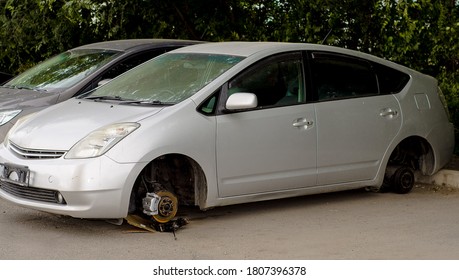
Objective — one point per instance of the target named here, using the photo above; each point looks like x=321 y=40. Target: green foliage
x=421 y=34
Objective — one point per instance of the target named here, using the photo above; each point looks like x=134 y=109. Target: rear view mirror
x=241 y=100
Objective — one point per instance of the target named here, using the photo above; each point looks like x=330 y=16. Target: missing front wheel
x=161 y=205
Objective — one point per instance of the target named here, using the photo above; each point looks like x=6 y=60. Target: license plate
x=16 y=174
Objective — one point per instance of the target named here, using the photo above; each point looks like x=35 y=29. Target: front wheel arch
x=176 y=173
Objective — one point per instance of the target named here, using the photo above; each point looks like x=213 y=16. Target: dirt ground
x=351 y=225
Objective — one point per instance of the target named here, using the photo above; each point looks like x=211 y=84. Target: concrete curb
x=444 y=177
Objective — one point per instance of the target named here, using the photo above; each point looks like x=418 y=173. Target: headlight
x=6 y=116
x=15 y=126
x=100 y=141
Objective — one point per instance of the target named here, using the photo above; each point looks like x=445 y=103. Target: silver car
x=73 y=73
x=226 y=123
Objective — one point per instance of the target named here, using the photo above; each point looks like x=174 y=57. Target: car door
x=271 y=147
x=356 y=123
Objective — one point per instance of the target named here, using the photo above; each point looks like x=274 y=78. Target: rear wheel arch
x=412 y=154
x=415 y=152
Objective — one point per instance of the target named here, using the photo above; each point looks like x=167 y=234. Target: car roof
x=237 y=48
x=129 y=44
x=246 y=49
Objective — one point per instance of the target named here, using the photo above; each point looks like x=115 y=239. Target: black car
x=73 y=73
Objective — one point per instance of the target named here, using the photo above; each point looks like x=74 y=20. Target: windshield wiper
x=121 y=100
x=24 y=87
x=147 y=102
x=105 y=97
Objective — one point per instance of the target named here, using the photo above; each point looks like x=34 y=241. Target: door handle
x=302 y=122
x=388 y=113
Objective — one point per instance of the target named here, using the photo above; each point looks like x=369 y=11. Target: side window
x=390 y=80
x=276 y=82
x=337 y=77
x=209 y=106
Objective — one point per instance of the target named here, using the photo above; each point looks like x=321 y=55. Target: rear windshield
x=169 y=78
x=62 y=71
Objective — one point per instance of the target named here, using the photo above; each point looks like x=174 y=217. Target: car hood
x=11 y=98
x=60 y=126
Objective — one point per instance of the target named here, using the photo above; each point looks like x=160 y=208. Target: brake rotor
x=167 y=207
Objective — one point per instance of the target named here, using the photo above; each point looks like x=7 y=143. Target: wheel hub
x=167 y=207
x=161 y=205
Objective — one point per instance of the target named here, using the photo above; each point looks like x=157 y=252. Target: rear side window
x=390 y=80
x=337 y=77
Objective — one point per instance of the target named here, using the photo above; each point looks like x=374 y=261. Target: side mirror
x=241 y=100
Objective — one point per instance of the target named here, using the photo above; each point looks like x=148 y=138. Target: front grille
x=34 y=154
x=31 y=193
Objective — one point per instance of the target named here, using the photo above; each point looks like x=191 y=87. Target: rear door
x=356 y=123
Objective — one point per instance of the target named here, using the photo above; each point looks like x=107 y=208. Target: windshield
x=169 y=78
x=62 y=71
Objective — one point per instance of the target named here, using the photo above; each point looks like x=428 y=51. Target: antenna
x=326 y=36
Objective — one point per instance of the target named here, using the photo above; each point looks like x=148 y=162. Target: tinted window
x=276 y=82
x=336 y=76
x=390 y=80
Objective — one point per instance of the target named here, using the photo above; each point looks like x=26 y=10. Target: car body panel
x=89 y=190
x=265 y=151
x=361 y=151
x=75 y=128
x=27 y=98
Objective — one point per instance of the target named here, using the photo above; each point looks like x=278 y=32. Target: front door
x=272 y=147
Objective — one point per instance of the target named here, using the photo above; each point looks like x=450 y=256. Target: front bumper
x=96 y=188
